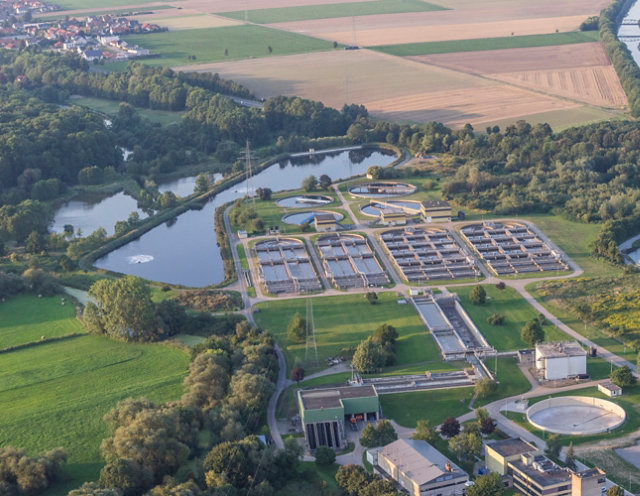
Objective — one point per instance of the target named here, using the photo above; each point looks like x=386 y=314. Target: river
x=631 y=30
x=185 y=250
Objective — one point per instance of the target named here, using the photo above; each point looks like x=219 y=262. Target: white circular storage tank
x=576 y=415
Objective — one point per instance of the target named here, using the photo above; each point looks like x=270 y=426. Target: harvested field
x=563 y=119
x=594 y=85
x=458 y=107
x=521 y=59
x=194 y=21
x=419 y=28
x=223 y=5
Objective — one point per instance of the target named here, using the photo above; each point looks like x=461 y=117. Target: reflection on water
x=89 y=212
x=187 y=253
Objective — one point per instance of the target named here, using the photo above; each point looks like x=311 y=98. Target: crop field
x=209 y=45
x=188 y=21
x=25 y=319
x=97 y=4
x=344 y=321
x=332 y=10
x=55 y=394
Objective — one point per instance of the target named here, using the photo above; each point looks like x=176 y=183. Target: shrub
x=325 y=456
x=495 y=319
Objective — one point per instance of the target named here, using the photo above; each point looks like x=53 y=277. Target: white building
x=610 y=389
x=560 y=360
x=420 y=468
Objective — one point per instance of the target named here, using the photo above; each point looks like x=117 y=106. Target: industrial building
x=525 y=467
x=512 y=248
x=349 y=262
x=435 y=211
x=325 y=412
x=560 y=360
x=325 y=223
x=419 y=469
x=284 y=266
x=426 y=254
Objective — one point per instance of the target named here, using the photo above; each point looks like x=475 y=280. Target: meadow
x=111 y=107
x=55 y=394
x=97 y=4
x=344 y=321
x=332 y=10
x=477 y=45
x=26 y=318
x=209 y=45
x=517 y=312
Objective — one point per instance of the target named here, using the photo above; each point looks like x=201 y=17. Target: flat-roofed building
x=435 y=211
x=498 y=454
x=560 y=360
x=536 y=475
x=588 y=482
x=610 y=389
x=393 y=217
x=420 y=469
x=325 y=223
x=324 y=411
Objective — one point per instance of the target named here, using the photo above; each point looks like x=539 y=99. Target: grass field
x=512 y=381
x=328 y=11
x=475 y=45
x=517 y=313
x=343 y=321
x=209 y=45
x=407 y=408
x=56 y=394
x=26 y=318
x=97 y=4
x=110 y=107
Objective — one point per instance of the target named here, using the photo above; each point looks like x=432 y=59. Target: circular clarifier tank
x=300 y=218
x=304 y=201
x=576 y=415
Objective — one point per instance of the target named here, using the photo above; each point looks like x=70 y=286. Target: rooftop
x=511 y=447
x=560 y=349
x=317 y=399
x=419 y=460
x=589 y=472
x=325 y=218
x=543 y=471
x=610 y=386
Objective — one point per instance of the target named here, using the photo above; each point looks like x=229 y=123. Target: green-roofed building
x=324 y=413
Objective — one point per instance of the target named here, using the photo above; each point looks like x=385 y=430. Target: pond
x=185 y=251
x=89 y=212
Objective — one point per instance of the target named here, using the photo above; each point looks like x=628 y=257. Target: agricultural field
x=209 y=45
x=106 y=4
x=27 y=318
x=186 y=20
x=517 y=312
x=55 y=394
x=345 y=320
x=327 y=11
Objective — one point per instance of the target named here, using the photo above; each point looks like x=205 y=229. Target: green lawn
x=209 y=45
x=26 y=318
x=517 y=313
x=327 y=11
x=110 y=107
x=476 y=45
x=407 y=408
x=511 y=381
x=343 y=321
x=55 y=394
x=243 y=257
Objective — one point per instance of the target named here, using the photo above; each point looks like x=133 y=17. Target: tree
x=623 y=376
x=202 y=183
x=372 y=297
x=386 y=335
x=570 y=458
x=121 y=309
x=93 y=489
x=325 y=456
x=369 y=356
x=35 y=243
x=264 y=193
x=615 y=491
x=375 y=172
x=380 y=435
x=425 y=431
x=553 y=445
x=297 y=374
x=487 y=426
x=324 y=182
x=478 y=295
x=485 y=387
x=495 y=319
x=532 y=333
x=450 y=427
x=487 y=485
x=310 y=183
x=297 y=329
x=21 y=474
x=466 y=445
